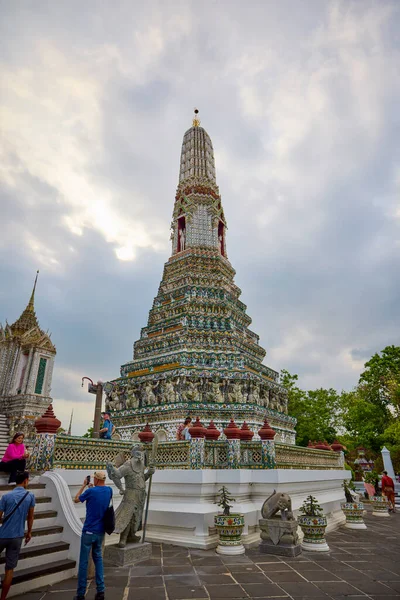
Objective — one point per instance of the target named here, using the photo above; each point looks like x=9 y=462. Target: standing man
x=15 y=508
x=108 y=428
x=388 y=490
x=97 y=500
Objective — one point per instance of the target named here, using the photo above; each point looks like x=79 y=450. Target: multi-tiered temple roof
x=196 y=354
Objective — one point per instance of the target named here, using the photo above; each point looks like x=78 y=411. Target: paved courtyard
x=361 y=564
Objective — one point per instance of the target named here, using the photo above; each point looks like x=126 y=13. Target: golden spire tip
x=196 y=120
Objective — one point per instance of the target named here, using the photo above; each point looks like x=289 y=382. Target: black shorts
x=12 y=547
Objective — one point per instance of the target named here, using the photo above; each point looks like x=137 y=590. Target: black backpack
x=109 y=518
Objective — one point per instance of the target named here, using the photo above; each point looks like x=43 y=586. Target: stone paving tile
x=287 y=576
x=301 y=589
x=243 y=568
x=218 y=578
x=155 y=593
x=338 y=588
x=176 y=570
x=150 y=581
x=274 y=567
x=184 y=593
x=243 y=577
x=226 y=591
x=212 y=570
x=394 y=585
x=258 y=590
x=320 y=576
x=181 y=580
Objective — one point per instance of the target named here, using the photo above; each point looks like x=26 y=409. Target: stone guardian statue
x=128 y=516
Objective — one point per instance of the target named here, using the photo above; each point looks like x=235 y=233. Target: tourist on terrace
x=106 y=432
x=388 y=490
x=15 y=456
x=97 y=500
x=182 y=433
x=15 y=508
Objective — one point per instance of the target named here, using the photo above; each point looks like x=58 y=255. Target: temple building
x=26 y=367
x=197 y=355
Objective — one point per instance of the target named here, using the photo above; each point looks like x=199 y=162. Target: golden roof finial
x=32 y=298
x=196 y=120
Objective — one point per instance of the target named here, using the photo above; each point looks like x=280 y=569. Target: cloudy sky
x=301 y=100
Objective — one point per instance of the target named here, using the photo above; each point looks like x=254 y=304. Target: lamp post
x=98 y=390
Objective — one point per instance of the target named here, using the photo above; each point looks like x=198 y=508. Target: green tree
x=381 y=379
x=362 y=421
x=316 y=411
x=89 y=433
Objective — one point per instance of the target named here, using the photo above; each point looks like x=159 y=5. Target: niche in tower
x=221 y=237
x=181 y=234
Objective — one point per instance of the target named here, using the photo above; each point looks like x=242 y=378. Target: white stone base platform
x=182 y=501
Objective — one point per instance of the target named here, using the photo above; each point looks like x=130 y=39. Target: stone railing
x=72 y=452
x=297 y=457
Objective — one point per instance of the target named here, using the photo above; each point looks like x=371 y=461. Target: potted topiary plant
x=229 y=526
x=313 y=524
x=352 y=508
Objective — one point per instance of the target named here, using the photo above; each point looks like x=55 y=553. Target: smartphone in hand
x=88 y=480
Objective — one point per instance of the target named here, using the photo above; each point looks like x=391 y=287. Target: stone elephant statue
x=277 y=502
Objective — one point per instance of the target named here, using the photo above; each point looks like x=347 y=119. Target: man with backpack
x=106 y=432
x=97 y=498
x=15 y=508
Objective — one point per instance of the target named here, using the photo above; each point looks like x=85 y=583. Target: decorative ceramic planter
x=314 y=533
x=354 y=515
x=229 y=528
x=380 y=506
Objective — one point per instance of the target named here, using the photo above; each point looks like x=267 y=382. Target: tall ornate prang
x=197 y=354
x=26 y=367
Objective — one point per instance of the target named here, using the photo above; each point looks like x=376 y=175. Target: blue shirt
x=107 y=434
x=97 y=500
x=15 y=525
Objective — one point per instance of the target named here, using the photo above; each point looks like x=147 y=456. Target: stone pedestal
x=131 y=554
x=279 y=537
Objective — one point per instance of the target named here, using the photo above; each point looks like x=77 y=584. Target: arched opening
x=221 y=237
x=162 y=435
x=181 y=234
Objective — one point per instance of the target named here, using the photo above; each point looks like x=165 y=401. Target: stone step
x=43 y=500
x=44 y=531
x=42 y=575
x=45 y=514
x=34 y=556
x=4 y=487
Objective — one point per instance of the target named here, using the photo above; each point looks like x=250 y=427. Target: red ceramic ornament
x=48 y=422
x=146 y=436
x=337 y=446
x=232 y=431
x=212 y=433
x=246 y=433
x=197 y=430
x=320 y=446
x=266 y=432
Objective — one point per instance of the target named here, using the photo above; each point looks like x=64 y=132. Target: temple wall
x=182 y=504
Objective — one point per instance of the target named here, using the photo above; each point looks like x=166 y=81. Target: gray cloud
x=300 y=100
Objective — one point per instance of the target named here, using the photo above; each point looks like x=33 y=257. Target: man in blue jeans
x=16 y=507
x=97 y=499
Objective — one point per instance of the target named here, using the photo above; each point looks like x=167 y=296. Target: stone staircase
x=4 y=435
x=44 y=560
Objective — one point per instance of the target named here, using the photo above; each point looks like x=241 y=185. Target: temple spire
x=31 y=303
x=28 y=319
x=70 y=422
